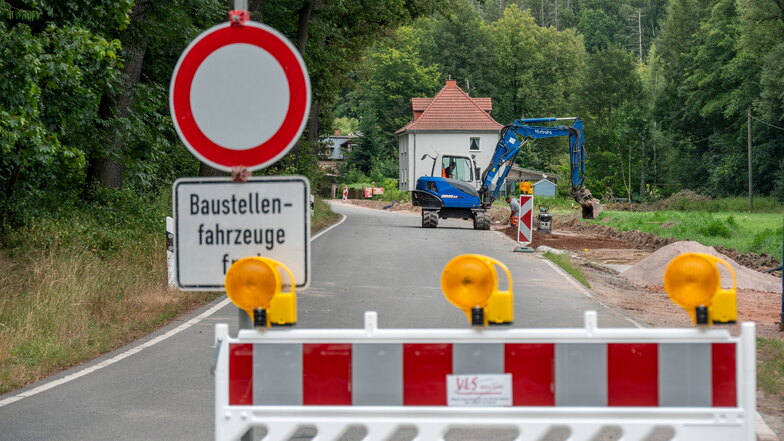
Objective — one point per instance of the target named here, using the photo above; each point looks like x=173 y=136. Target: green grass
x=82 y=282
x=565 y=262
x=754 y=232
x=323 y=216
x=688 y=200
x=770 y=366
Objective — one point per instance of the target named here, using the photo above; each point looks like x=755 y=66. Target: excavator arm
x=517 y=134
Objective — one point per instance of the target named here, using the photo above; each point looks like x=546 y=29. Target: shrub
x=714 y=228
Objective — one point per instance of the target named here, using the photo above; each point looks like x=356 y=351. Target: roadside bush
x=767 y=239
x=714 y=227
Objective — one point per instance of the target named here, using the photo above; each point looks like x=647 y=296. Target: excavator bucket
x=591 y=206
x=591 y=209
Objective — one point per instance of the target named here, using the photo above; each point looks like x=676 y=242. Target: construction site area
x=624 y=269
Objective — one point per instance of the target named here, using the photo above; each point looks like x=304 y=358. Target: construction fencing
x=693 y=384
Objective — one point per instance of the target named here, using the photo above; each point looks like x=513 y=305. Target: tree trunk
x=105 y=167
x=207 y=171
x=10 y=189
x=303 y=26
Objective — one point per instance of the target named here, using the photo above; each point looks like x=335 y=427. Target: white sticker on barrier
x=479 y=390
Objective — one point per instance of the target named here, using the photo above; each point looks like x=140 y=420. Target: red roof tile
x=451 y=109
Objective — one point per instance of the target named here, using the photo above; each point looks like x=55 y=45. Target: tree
x=612 y=98
x=538 y=70
x=392 y=74
x=53 y=75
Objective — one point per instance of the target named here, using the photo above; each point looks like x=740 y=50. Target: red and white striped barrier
x=525 y=225
x=698 y=382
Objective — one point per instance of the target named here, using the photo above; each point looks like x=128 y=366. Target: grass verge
x=770 y=366
x=565 y=262
x=87 y=281
x=323 y=216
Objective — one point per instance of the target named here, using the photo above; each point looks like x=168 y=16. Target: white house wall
x=413 y=145
x=404 y=159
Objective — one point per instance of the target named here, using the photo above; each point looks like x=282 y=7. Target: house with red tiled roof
x=450 y=122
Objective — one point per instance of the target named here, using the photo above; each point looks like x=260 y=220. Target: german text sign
x=218 y=222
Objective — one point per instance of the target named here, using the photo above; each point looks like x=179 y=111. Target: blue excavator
x=460 y=191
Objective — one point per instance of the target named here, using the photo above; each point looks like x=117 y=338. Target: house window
x=474 y=145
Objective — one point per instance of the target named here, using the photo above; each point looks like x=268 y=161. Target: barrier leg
x=749 y=387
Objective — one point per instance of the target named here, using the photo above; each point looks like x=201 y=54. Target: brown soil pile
x=650 y=271
x=384 y=205
x=650 y=241
x=640 y=239
x=572 y=242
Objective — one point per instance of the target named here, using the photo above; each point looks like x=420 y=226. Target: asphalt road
x=160 y=388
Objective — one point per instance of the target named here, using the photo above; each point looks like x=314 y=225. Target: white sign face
x=218 y=222
x=479 y=390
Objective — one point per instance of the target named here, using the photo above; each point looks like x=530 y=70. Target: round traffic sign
x=240 y=96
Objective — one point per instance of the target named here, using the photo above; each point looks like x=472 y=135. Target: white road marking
x=320 y=233
x=135 y=349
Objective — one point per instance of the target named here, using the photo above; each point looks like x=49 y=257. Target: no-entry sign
x=240 y=96
x=219 y=222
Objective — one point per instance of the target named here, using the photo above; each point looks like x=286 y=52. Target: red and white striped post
x=525 y=224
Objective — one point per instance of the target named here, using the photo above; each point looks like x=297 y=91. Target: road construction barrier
x=697 y=383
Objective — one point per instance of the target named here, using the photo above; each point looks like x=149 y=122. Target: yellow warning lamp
x=470 y=282
x=255 y=285
x=526 y=188
x=693 y=282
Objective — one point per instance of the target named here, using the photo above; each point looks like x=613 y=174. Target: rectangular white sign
x=479 y=390
x=218 y=221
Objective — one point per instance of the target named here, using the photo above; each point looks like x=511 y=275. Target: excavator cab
x=456 y=167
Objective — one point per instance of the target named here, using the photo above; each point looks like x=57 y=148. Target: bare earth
x=624 y=270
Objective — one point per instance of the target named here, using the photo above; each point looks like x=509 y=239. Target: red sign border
x=277 y=45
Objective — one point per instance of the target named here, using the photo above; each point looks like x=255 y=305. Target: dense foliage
x=664 y=86
x=84 y=89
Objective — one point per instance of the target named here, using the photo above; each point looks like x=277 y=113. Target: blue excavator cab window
x=456 y=168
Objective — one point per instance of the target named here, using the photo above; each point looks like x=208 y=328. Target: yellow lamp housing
x=526 y=188
x=470 y=282
x=693 y=282
x=254 y=284
x=283 y=307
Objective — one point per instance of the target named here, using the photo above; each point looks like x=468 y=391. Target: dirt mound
x=650 y=271
x=641 y=240
x=384 y=205
x=499 y=215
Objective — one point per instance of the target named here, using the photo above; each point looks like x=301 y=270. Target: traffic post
x=525 y=223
